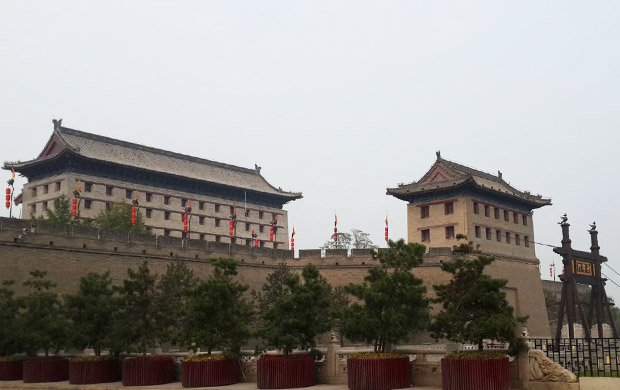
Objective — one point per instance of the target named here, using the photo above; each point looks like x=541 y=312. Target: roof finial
x=592 y=227
x=257 y=168
x=499 y=174
x=438 y=153
x=57 y=123
x=563 y=219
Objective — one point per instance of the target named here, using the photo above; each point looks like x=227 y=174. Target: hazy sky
x=337 y=99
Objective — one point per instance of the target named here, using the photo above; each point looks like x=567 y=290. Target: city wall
x=67 y=253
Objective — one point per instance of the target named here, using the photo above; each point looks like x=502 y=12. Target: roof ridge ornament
x=438 y=154
x=499 y=174
x=257 y=168
x=57 y=124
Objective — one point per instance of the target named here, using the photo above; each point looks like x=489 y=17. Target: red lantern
x=185 y=222
x=133 y=215
x=232 y=228
x=386 y=234
x=8 y=198
x=335 y=234
x=256 y=243
x=74 y=207
x=551 y=271
x=271 y=233
x=292 y=244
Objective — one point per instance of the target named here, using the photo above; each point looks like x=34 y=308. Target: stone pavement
x=19 y=385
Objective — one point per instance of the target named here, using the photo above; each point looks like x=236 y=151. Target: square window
x=262 y=244
x=424 y=212
x=202 y=236
x=149 y=213
x=517 y=239
x=217 y=208
x=128 y=194
x=448 y=208
x=88 y=187
x=449 y=232
x=506 y=216
x=33 y=208
x=45 y=189
x=247 y=212
x=57 y=186
x=524 y=219
x=87 y=204
x=426 y=235
x=183 y=202
x=232 y=210
x=34 y=192
x=247 y=227
x=507 y=238
x=201 y=205
x=182 y=216
x=515 y=217
x=44 y=204
x=218 y=238
x=260 y=215
x=201 y=220
x=489 y=233
x=248 y=242
x=167 y=232
x=233 y=240
x=261 y=228
x=108 y=206
x=149 y=196
x=526 y=240
x=183 y=234
x=498 y=235
x=487 y=210
x=478 y=233
x=476 y=208
x=166 y=200
x=217 y=222
x=166 y=215
x=108 y=190
x=496 y=212
x=275 y=245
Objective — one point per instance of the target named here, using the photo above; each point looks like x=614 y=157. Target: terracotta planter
x=11 y=370
x=378 y=374
x=209 y=373
x=285 y=371
x=492 y=374
x=145 y=371
x=95 y=371
x=51 y=369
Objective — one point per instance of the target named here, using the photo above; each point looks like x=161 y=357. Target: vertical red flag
x=293 y=239
x=386 y=228
x=335 y=228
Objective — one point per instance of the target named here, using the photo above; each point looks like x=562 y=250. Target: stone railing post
x=331 y=359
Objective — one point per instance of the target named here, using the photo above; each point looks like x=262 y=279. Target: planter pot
x=45 y=370
x=11 y=370
x=209 y=373
x=378 y=374
x=94 y=371
x=145 y=371
x=285 y=371
x=492 y=374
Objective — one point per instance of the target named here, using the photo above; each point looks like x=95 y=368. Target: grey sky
x=337 y=99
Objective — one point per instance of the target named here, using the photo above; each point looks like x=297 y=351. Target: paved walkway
x=19 y=385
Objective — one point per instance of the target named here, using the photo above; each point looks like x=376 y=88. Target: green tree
x=340 y=302
x=217 y=315
x=118 y=217
x=43 y=321
x=357 y=239
x=9 y=329
x=292 y=313
x=141 y=318
x=60 y=214
x=474 y=307
x=393 y=302
x=172 y=298
x=92 y=310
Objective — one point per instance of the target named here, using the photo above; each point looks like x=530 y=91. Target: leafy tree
x=474 y=307
x=172 y=298
x=217 y=315
x=43 y=321
x=119 y=218
x=141 y=317
x=357 y=239
x=60 y=214
x=92 y=310
x=340 y=302
x=9 y=329
x=293 y=313
x=392 y=301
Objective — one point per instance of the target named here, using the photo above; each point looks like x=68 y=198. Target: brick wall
x=67 y=256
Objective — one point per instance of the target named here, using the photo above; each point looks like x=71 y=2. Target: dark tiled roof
x=461 y=175
x=100 y=148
